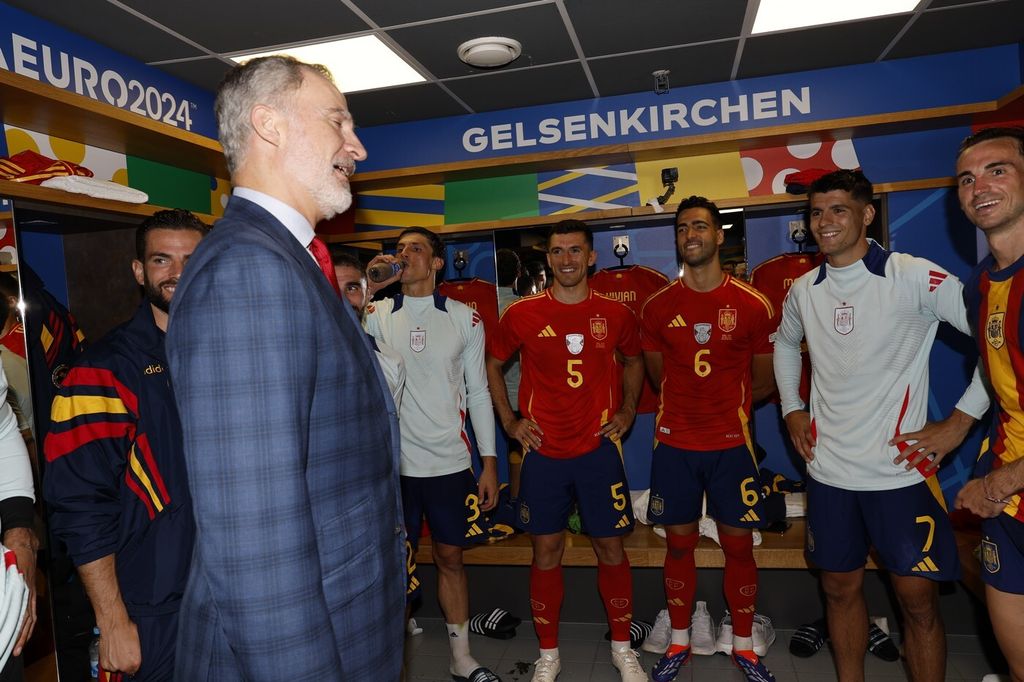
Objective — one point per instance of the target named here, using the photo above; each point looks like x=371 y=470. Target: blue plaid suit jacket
x=291 y=442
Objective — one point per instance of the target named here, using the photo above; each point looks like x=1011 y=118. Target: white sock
x=549 y=653
x=458 y=639
x=621 y=646
x=742 y=643
x=681 y=637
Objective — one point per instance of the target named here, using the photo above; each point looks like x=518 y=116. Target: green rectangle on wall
x=169 y=186
x=468 y=201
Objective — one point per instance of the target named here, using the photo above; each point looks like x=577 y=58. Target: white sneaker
x=702 y=631
x=761 y=632
x=412 y=628
x=546 y=668
x=661 y=635
x=724 y=641
x=628 y=664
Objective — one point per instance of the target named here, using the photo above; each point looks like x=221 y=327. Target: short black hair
x=534 y=267
x=9 y=286
x=347 y=259
x=169 y=219
x=854 y=182
x=508 y=266
x=694 y=201
x=436 y=245
x=572 y=226
x=994 y=133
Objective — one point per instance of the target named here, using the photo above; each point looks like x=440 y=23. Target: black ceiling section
x=111 y=26
x=538 y=28
x=523 y=88
x=612 y=26
x=620 y=42
x=401 y=104
x=234 y=25
x=818 y=48
x=206 y=73
x=397 y=12
x=962 y=28
x=708 y=63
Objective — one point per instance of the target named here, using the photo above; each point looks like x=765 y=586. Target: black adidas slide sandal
x=497 y=623
x=481 y=674
x=808 y=639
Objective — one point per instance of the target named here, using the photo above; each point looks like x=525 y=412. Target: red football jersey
x=631 y=286
x=14 y=340
x=567 y=355
x=478 y=294
x=707 y=341
x=773 y=278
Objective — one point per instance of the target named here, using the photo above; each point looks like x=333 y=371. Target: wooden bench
x=645 y=549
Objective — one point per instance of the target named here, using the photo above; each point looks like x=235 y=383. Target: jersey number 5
x=575 y=378
x=702 y=367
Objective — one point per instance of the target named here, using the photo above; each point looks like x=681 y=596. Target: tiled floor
x=585 y=656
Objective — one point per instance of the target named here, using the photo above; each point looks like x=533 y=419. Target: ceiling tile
x=206 y=73
x=818 y=48
x=962 y=28
x=234 y=25
x=393 y=12
x=406 y=103
x=511 y=89
x=109 y=25
x=539 y=28
x=613 y=26
x=689 y=66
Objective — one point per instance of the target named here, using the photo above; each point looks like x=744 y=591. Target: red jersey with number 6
x=707 y=342
x=567 y=355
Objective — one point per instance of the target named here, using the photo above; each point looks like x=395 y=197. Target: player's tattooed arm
x=527 y=432
x=798 y=423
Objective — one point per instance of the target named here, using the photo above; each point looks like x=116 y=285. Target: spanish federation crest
x=656 y=507
x=599 y=328
x=574 y=342
x=994 y=330
x=418 y=340
x=726 y=319
x=844 y=319
x=524 y=513
x=990 y=556
x=702 y=332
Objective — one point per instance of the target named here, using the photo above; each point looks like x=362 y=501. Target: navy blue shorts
x=908 y=527
x=679 y=479
x=1002 y=544
x=451 y=505
x=596 y=482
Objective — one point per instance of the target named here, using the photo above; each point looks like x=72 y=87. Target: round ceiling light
x=490 y=52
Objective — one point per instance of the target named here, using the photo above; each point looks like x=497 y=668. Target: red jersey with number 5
x=567 y=355
x=707 y=342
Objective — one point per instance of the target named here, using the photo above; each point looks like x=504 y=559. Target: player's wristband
x=988 y=495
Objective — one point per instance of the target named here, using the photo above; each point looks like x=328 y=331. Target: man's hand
x=934 y=438
x=487 y=486
x=24 y=544
x=120 y=651
x=973 y=498
x=616 y=427
x=527 y=432
x=373 y=287
x=798 y=423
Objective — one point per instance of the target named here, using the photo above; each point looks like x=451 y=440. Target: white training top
x=442 y=344
x=15 y=469
x=869 y=328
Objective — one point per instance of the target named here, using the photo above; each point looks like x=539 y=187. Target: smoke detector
x=490 y=52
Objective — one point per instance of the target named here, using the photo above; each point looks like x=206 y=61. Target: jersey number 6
x=702 y=367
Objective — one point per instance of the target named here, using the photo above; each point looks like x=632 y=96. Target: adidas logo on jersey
x=547 y=332
x=935 y=279
x=677 y=321
x=750 y=517
x=926 y=565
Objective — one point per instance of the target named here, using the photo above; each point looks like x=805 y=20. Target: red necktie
x=323 y=259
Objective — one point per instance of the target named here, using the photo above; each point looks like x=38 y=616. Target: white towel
x=101 y=189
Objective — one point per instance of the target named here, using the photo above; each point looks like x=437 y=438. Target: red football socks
x=680 y=578
x=615 y=583
x=740 y=581
x=546 y=593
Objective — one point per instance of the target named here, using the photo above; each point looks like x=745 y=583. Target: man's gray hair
x=264 y=80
